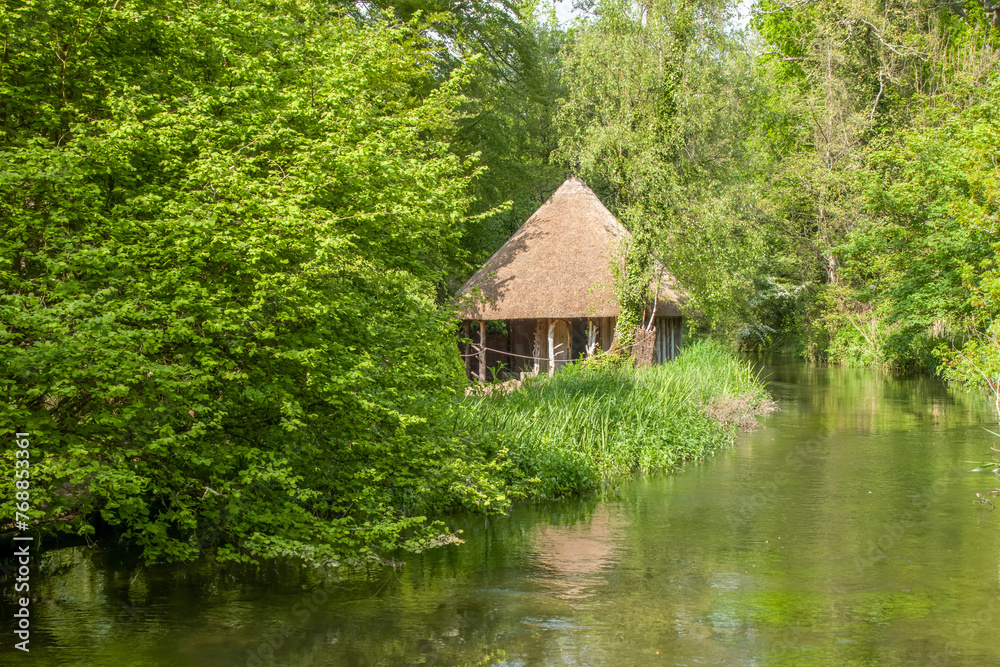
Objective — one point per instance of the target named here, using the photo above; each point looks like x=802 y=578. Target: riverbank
x=373 y=495
x=842 y=530
x=593 y=426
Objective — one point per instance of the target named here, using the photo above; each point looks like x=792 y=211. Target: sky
x=565 y=13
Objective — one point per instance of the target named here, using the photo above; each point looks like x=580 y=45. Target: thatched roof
x=558 y=264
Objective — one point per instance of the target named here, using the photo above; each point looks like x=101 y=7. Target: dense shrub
x=224 y=229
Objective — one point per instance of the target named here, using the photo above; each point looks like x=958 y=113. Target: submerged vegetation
x=594 y=424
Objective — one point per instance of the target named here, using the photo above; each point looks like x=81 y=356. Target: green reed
x=594 y=425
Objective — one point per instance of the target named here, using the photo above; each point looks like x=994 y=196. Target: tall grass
x=592 y=426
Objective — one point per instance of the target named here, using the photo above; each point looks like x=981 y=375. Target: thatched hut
x=552 y=285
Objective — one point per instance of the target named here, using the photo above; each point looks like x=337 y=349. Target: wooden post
x=591 y=337
x=466 y=359
x=656 y=297
x=658 y=357
x=552 y=348
x=510 y=344
x=482 y=351
x=536 y=349
x=662 y=336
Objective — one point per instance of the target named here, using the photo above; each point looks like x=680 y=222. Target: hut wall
x=522 y=339
x=495 y=354
x=514 y=350
x=607 y=334
x=578 y=338
x=668 y=339
x=644 y=347
x=561 y=342
x=541 y=344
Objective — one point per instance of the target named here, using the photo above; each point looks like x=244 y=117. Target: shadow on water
x=843 y=532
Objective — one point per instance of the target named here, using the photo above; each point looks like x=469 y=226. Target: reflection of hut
x=572 y=558
x=551 y=289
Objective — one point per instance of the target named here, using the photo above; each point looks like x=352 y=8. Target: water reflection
x=841 y=533
x=574 y=559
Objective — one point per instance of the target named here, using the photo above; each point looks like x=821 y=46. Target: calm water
x=843 y=532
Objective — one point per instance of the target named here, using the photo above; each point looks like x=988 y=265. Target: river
x=842 y=532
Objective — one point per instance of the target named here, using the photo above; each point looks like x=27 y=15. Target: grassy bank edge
x=592 y=426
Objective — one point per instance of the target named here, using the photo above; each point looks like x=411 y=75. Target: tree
x=660 y=116
x=512 y=56
x=224 y=230
x=510 y=125
x=853 y=82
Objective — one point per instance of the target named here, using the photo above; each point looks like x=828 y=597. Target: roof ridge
x=557 y=264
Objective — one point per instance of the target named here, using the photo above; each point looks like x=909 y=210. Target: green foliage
x=592 y=426
x=510 y=125
x=977 y=363
x=633 y=278
x=776 y=309
x=882 y=155
x=224 y=229
x=659 y=116
x=512 y=60
x=924 y=263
